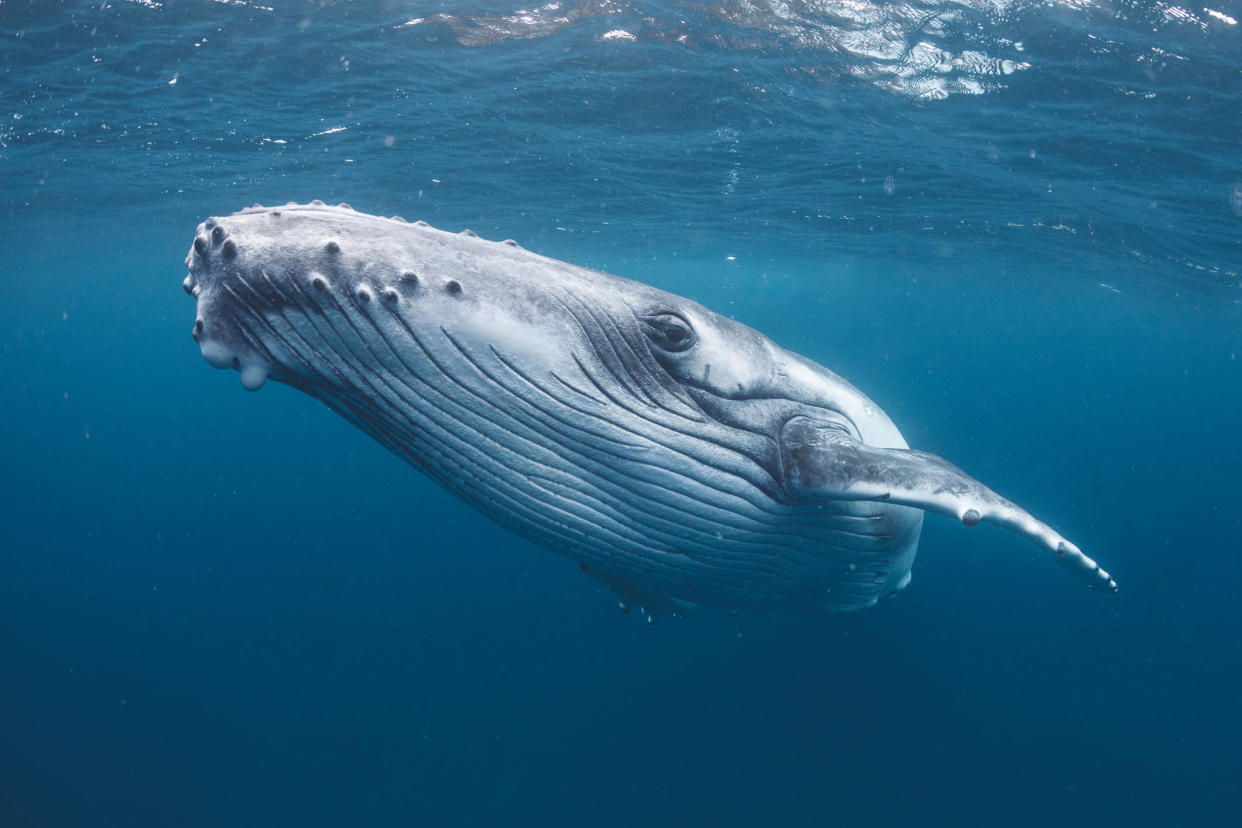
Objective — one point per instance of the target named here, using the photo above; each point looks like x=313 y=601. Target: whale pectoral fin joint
x=822 y=460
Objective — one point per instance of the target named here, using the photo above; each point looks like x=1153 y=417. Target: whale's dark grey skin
x=677 y=456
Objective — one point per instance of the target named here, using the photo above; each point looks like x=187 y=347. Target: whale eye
x=668 y=331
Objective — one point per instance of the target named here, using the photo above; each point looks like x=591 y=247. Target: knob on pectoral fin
x=823 y=460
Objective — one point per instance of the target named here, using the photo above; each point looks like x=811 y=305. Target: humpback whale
x=678 y=456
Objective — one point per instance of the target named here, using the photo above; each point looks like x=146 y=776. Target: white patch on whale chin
x=216 y=354
x=253 y=375
x=254 y=372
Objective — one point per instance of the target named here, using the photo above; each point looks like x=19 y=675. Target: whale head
x=324 y=296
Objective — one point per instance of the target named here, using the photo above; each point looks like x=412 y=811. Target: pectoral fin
x=824 y=460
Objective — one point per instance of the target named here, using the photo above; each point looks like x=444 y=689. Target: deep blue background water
x=1015 y=226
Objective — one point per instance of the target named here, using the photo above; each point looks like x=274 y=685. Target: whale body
x=678 y=456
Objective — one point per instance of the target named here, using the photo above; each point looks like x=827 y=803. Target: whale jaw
x=258 y=271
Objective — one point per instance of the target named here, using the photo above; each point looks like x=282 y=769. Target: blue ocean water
x=1017 y=226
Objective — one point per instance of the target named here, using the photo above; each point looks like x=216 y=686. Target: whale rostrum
x=679 y=457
